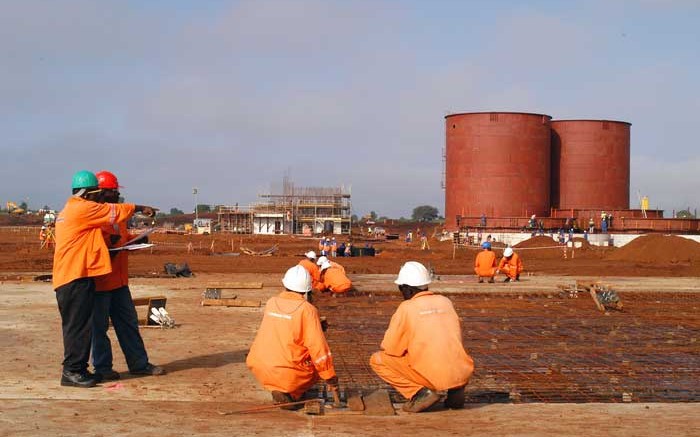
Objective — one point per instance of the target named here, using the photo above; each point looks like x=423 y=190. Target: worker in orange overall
x=511 y=265
x=422 y=355
x=42 y=237
x=290 y=352
x=485 y=263
x=113 y=301
x=334 y=278
x=81 y=255
x=323 y=259
x=309 y=263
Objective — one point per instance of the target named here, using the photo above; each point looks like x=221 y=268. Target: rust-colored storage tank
x=497 y=164
x=590 y=164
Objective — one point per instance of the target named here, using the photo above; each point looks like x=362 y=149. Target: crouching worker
x=510 y=265
x=290 y=352
x=334 y=278
x=422 y=355
x=485 y=263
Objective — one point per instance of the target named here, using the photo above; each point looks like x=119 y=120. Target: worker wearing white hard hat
x=334 y=278
x=290 y=353
x=322 y=259
x=511 y=265
x=309 y=263
x=422 y=352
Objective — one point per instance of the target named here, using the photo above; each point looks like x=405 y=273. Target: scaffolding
x=296 y=210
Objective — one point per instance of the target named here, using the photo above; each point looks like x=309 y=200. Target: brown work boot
x=455 y=398
x=424 y=399
x=280 y=397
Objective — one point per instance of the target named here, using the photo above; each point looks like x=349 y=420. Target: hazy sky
x=229 y=96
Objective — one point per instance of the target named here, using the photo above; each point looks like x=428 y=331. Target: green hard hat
x=84 y=179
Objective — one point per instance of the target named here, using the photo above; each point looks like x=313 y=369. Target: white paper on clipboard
x=131 y=247
x=140 y=236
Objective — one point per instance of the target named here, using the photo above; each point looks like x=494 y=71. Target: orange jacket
x=426 y=329
x=314 y=271
x=337 y=266
x=290 y=347
x=120 y=262
x=511 y=267
x=81 y=251
x=485 y=263
x=334 y=279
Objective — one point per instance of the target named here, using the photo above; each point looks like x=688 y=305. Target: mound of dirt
x=539 y=241
x=656 y=248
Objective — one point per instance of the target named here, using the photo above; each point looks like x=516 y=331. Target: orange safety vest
x=485 y=263
x=81 y=251
x=427 y=331
x=290 y=348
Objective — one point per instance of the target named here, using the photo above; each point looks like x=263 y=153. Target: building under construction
x=296 y=210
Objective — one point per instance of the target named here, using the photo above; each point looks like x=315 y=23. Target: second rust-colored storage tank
x=590 y=164
x=497 y=164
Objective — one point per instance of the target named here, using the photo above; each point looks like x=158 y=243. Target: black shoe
x=283 y=398
x=455 y=398
x=481 y=280
x=424 y=399
x=109 y=375
x=491 y=281
x=150 y=369
x=506 y=280
x=82 y=379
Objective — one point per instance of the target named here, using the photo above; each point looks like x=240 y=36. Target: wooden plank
x=138 y=301
x=231 y=302
x=234 y=285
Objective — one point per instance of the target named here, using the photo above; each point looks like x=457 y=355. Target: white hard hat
x=321 y=260
x=310 y=254
x=326 y=264
x=414 y=274
x=297 y=279
x=533 y=216
x=508 y=252
x=43 y=227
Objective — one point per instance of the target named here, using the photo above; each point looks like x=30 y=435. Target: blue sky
x=229 y=96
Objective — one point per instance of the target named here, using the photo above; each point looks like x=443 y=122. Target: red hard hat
x=107 y=180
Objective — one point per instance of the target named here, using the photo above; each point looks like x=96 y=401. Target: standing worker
x=81 y=255
x=309 y=263
x=511 y=265
x=485 y=263
x=42 y=237
x=334 y=278
x=422 y=353
x=290 y=352
x=113 y=301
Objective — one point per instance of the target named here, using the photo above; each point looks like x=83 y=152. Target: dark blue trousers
x=118 y=306
x=75 y=303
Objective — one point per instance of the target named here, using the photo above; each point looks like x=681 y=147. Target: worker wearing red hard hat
x=81 y=255
x=485 y=263
x=290 y=352
x=511 y=265
x=113 y=301
x=422 y=352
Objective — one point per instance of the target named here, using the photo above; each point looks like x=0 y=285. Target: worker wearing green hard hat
x=81 y=255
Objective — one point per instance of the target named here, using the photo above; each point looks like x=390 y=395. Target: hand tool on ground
x=311 y=406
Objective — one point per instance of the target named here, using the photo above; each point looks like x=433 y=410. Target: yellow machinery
x=12 y=208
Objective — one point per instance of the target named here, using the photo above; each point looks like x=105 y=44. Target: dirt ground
x=205 y=354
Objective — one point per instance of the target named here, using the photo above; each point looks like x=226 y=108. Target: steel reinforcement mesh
x=543 y=347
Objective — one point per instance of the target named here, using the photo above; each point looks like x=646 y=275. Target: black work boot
x=455 y=398
x=491 y=280
x=481 y=280
x=108 y=375
x=82 y=379
x=283 y=398
x=424 y=399
x=150 y=369
x=507 y=279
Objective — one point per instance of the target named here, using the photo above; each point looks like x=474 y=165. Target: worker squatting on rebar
x=422 y=355
x=290 y=353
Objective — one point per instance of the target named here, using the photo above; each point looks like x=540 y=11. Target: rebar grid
x=544 y=347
